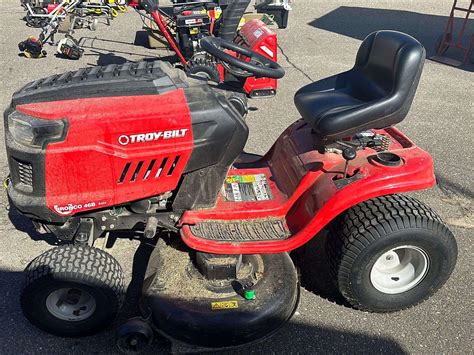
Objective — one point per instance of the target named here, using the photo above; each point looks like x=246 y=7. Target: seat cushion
x=313 y=106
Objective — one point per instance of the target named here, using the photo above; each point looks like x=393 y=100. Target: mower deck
x=267 y=206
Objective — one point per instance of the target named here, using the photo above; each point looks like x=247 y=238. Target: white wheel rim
x=71 y=304
x=400 y=269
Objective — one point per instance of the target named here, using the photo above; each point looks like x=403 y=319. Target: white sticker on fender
x=267 y=50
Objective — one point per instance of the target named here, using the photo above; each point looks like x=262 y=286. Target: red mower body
x=161 y=139
x=305 y=191
x=134 y=142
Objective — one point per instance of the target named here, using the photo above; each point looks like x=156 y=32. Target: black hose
x=231 y=18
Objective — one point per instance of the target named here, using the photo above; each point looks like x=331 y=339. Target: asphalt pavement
x=322 y=39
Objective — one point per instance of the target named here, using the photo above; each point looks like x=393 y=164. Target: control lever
x=348 y=154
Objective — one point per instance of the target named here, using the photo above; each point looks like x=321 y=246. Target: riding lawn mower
x=142 y=148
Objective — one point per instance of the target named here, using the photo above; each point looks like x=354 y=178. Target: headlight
x=33 y=131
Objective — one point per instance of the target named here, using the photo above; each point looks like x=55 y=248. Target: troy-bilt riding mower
x=141 y=147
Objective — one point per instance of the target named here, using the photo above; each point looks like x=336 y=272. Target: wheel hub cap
x=71 y=304
x=400 y=269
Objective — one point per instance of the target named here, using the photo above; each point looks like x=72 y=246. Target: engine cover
x=131 y=132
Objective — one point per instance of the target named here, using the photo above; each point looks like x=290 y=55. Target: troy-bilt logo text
x=152 y=136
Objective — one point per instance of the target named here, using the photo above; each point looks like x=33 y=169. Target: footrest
x=241 y=231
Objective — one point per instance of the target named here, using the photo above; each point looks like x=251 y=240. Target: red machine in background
x=260 y=39
x=183 y=28
x=194 y=21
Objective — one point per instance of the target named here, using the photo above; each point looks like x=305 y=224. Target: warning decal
x=245 y=188
x=217 y=306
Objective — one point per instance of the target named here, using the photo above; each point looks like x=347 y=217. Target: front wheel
x=390 y=253
x=203 y=68
x=72 y=290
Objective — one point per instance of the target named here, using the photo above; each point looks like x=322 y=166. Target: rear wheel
x=72 y=290
x=390 y=253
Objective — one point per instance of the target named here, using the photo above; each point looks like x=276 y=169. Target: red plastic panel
x=307 y=197
x=88 y=169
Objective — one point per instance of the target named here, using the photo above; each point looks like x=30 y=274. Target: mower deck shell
x=223 y=318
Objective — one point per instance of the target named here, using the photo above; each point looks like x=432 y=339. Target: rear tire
x=72 y=290
x=390 y=253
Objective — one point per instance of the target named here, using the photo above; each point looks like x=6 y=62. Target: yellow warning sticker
x=245 y=188
x=217 y=306
x=248 y=178
x=240 y=178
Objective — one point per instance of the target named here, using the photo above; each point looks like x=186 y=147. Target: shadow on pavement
x=106 y=58
x=358 y=22
x=311 y=260
x=25 y=225
x=448 y=186
x=106 y=52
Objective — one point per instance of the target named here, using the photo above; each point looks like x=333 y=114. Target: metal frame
x=449 y=40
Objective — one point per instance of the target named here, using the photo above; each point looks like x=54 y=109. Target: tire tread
x=81 y=263
x=371 y=220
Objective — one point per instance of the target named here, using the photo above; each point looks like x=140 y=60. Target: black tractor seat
x=376 y=93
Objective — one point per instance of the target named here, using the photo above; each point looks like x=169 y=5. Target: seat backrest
x=387 y=63
x=376 y=93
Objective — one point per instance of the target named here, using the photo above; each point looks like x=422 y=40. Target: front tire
x=203 y=68
x=72 y=290
x=390 y=253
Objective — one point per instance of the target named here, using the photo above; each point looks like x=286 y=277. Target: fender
x=309 y=178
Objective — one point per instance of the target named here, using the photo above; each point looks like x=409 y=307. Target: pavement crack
x=290 y=62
